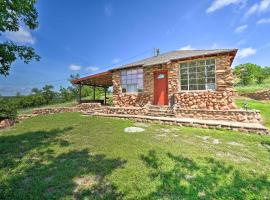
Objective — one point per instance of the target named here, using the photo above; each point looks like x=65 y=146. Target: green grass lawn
x=69 y=156
x=253 y=88
x=263 y=106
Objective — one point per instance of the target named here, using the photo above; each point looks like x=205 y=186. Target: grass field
x=67 y=156
x=262 y=106
x=253 y=88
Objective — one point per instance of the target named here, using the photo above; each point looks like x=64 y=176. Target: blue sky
x=88 y=37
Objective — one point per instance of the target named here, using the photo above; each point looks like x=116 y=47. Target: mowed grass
x=262 y=106
x=69 y=156
x=253 y=88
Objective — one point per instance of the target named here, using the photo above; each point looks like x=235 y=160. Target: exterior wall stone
x=220 y=99
x=252 y=116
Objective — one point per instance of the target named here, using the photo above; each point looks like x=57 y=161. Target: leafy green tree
x=47 y=93
x=66 y=94
x=36 y=91
x=12 y=14
x=7 y=110
x=248 y=73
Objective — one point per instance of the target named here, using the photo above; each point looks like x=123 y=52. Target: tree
x=47 y=93
x=36 y=91
x=66 y=94
x=12 y=14
x=247 y=73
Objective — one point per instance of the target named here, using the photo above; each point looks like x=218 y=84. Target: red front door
x=161 y=88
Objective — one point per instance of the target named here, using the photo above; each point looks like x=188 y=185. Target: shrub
x=7 y=110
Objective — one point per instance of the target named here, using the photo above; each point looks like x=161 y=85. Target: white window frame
x=126 y=72
x=205 y=73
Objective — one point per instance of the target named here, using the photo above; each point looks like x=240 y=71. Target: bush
x=7 y=110
x=250 y=74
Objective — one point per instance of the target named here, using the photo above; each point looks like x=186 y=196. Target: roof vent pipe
x=156 y=51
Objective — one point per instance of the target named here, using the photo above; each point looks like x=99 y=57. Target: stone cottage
x=189 y=79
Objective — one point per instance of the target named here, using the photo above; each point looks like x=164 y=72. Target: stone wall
x=261 y=96
x=45 y=111
x=127 y=99
x=78 y=108
x=221 y=99
x=252 y=116
x=125 y=110
x=6 y=123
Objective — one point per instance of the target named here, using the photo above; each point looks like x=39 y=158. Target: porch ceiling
x=103 y=79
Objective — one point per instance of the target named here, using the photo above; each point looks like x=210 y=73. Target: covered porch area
x=100 y=80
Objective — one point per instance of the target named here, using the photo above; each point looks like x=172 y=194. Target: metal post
x=80 y=94
x=105 y=98
x=94 y=95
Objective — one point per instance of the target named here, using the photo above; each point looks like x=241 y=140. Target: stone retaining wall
x=252 y=116
x=6 y=123
x=78 y=108
x=45 y=111
x=125 y=110
x=262 y=95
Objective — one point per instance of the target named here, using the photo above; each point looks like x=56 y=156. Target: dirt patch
x=84 y=182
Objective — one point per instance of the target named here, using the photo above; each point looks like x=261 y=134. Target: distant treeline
x=250 y=74
x=47 y=95
x=44 y=96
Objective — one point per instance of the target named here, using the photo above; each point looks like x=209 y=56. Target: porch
x=100 y=80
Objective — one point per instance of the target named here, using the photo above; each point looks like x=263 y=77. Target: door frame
x=155 y=82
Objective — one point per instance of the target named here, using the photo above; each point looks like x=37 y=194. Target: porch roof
x=103 y=79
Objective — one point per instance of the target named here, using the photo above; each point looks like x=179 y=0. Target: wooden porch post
x=94 y=95
x=105 y=92
x=80 y=93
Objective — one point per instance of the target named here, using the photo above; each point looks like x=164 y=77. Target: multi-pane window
x=198 y=75
x=132 y=80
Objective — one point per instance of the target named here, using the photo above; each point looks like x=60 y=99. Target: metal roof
x=175 y=55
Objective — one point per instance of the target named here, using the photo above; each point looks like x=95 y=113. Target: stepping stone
x=133 y=129
x=216 y=141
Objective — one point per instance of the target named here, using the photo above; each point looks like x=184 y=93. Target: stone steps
x=212 y=124
x=160 y=111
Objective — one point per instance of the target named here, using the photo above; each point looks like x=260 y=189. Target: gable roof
x=176 y=55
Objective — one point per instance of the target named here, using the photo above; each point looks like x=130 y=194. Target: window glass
x=132 y=80
x=198 y=75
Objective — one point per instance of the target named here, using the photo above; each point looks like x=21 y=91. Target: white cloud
x=264 y=21
x=21 y=36
x=108 y=10
x=240 y=29
x=218 y=4
x=188 y=47
x=260 y=7
x=75 y=67
x=246 y=52
x=116 y=60
x=91 y=69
